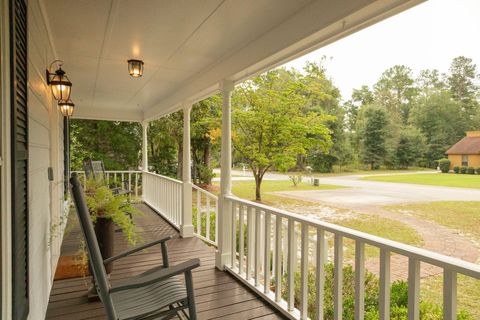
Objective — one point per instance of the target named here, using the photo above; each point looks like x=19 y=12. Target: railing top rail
x=164 y=177
x=112 y=171
x=454 y=264
x=205 y=192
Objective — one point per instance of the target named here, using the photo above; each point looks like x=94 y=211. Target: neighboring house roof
x=468 y=145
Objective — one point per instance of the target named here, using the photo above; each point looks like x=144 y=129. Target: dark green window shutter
x=19 y=136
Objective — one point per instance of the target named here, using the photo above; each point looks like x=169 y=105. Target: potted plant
x=107 y=211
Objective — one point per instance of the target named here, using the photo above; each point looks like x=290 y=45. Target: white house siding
x=45 y=150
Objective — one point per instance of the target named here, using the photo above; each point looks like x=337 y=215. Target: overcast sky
x=426 y=36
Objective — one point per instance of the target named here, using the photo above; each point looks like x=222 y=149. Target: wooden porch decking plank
x=218 y=295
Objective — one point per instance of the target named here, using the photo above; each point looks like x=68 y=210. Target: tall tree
x=269 y=127
x=395 y=90
x=372 y=130
x=205 y=124
x=462 y=85
x=441 y=120
x=116 y=143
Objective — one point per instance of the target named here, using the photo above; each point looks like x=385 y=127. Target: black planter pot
x=105 y=232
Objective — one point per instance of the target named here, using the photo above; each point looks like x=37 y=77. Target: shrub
x=477 y=170
x=398 y=297
x=456 y=169
x=296 y=179
x=463 y=169
x=444 y=165
x=471 y=170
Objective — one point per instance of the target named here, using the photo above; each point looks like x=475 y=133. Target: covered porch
x=217 y=294
x=257 y=260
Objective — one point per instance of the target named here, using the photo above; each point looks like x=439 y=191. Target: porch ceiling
x=188 y=46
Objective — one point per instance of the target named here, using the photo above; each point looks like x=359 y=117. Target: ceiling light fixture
x=59 y=82
x=66 y=107
x=135 y=68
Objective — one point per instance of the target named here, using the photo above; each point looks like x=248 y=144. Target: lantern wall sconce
x=59 y=82
x=66 y=107
x=135 y=68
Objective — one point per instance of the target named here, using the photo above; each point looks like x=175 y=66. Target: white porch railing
x=267 y=249
x=205 y=213
x=134 y=179
x=164 y=194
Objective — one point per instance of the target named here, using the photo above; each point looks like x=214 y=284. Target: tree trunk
x=258 y=183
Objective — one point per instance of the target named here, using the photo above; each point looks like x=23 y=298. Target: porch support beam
x=144 y=152
x=225 y=207
x=186 y=228
x=145 y=146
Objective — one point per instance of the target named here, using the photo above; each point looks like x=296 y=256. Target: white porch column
x=225 y=207
x=186 y=229
x=144 y=154
x=145 y=146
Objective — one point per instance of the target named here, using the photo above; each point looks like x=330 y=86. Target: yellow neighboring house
x=466 y=152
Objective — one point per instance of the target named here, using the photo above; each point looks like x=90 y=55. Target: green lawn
x=439 y=179
x=463 y=216
x=246 y=190
x=381 y=227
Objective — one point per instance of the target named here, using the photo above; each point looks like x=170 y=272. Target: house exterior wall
x=46 y=199
x=456 y=160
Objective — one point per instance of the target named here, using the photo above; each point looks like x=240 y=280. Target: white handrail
x=276 y=236
x=132 y=176
x=164 y=195
x=205 y=204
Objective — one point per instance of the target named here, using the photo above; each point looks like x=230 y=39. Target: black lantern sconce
x=135 y=68
x=59 y=82
x=66 y=107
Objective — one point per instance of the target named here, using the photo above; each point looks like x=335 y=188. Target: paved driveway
x=363 y=192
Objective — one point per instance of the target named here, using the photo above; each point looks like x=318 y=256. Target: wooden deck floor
x=218 y=295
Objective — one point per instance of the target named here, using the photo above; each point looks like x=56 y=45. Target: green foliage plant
x=477 y=170
x=296 y=179
x=456 y=169
x=444 y=165
x=463 y=169
x=398 y=297
x=471 y=170
x=103 y=203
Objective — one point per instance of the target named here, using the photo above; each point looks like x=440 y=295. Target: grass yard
x=468 y=293
x=463 y=216
x=381 y=227
x=246 y=190
x=439 y=179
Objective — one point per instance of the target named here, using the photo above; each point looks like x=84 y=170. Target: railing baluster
x=216 y=220
x=257 y=246
x=207 y=228
x=384 y=303
x=414 y=289
x=338 y=278
x=292 y=253
x=278 y=258
x=241 y=239
x=250 y=243
x=136 y=184
x=449 y=294
x=234 y=235
x=129 y=180
x=359 y=280
x=304 y=273
x=199 y=212
x=266 y=269
x=320 y=272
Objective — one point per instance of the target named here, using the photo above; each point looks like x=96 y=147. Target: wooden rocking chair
x=157 y=293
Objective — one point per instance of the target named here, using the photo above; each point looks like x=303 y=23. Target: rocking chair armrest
x=143 y=247
x=148 y=279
